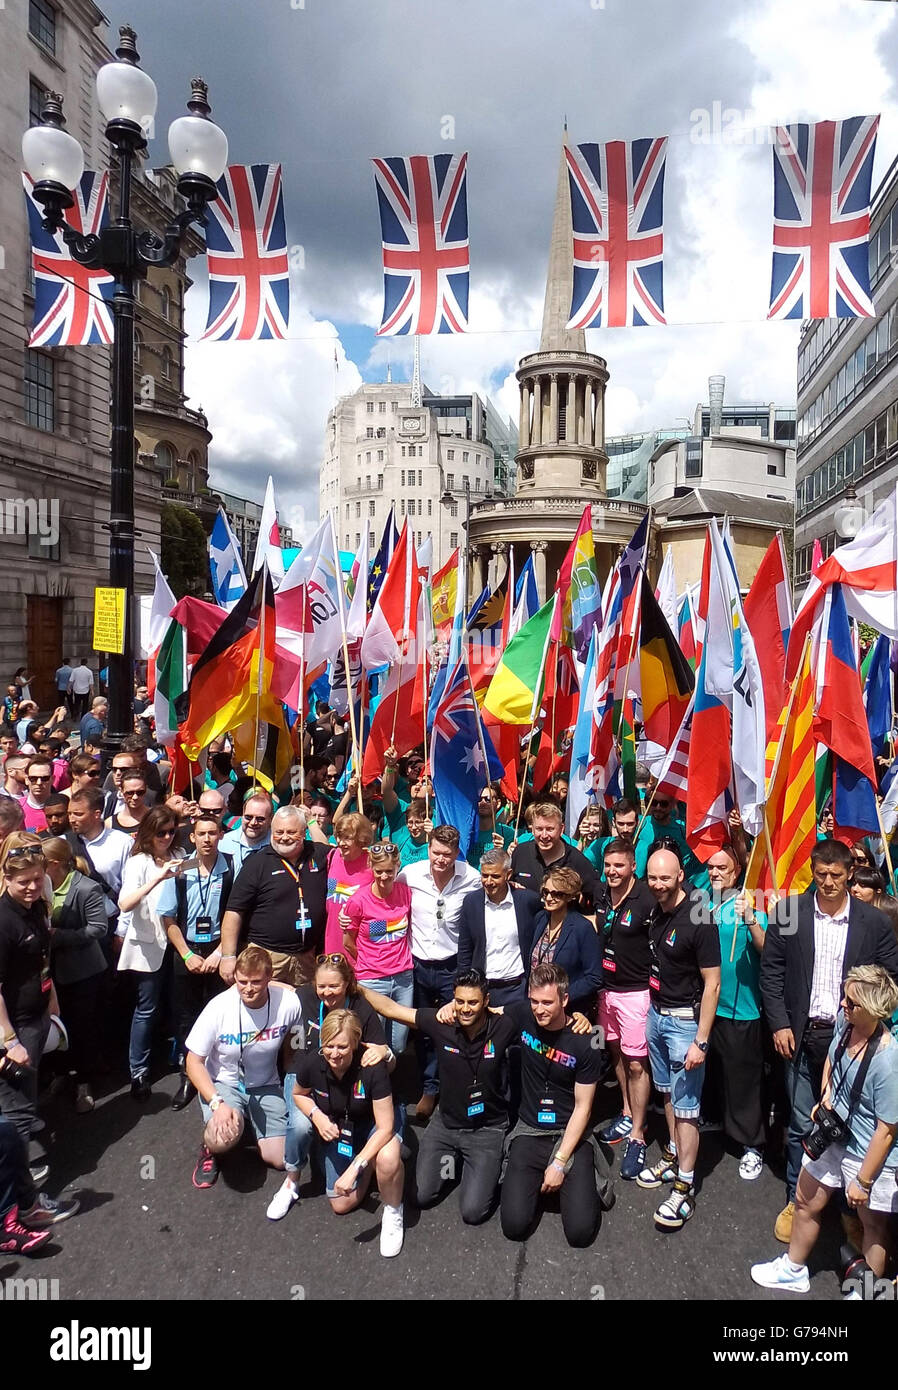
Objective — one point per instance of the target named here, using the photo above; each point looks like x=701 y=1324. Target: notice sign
x=109 y=620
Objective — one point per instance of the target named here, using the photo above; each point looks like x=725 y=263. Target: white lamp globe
x=52 y=154
x=126 y=93
x=198 y=146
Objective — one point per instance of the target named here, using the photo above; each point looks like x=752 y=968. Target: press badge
x=302 y=921
x=545 y=1114
x=203 y=930
x=241 y=1077
x=475 y=1101
x=344 y=1142
x=608 y=961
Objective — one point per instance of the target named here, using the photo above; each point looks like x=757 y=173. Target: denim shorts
x=669 y=1040
x=263 y=1105
x=335 y=1164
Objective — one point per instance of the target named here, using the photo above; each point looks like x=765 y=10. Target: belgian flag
x=666 y=678
x=230 y=687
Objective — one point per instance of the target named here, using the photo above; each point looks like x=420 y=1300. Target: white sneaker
x=751 y=1165
x=282 y=1200
x=84 y=1101
x=392 y=1230
x=778 y=1274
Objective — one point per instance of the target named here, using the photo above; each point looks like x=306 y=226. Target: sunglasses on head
x=25 y=852
x=334 y=958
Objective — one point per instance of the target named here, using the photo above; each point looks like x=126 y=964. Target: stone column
x=478 y=557
x=598 y=434
x=524 y=429
x=587 y=412
x=497 y=569
x=553 y=409
x=570 y=416
x=536 y=433
x=539 y=549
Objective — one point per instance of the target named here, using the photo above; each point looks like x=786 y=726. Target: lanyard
x=295 y=876
x=204 y=897
x=478 y=1055
x=258 y=1031
x=343 y=1118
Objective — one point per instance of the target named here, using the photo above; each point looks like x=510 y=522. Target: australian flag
x=71 y=301
x=821 y=219
x=424 y=225
x=457 y=760
x=617 y=211
x=246 y=252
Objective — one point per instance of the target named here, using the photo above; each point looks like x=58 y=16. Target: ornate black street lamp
x=55 y=161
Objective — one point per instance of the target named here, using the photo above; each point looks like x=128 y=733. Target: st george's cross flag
x=821 y=219
x=72 y=302
x=617 y=211
x=424 y=227
x=246 y=253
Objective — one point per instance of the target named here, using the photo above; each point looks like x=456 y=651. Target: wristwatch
x=215 y=1102
x=702 y=1047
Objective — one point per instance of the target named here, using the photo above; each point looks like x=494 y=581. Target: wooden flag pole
x=259 y=673
x=341 y=610
x=424 y=692
x=885 y=845
x=534 y=708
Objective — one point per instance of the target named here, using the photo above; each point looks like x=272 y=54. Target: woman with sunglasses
x=377 y=935
x=566 y=938
x=860 y=1088
x=144 y=939
x=335 y=987
x=347 y=871
x=85 y=772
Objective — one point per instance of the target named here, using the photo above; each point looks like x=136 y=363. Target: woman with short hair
x=78 y=923
x=566 y=938
x=347 y=871
x=851 y=1146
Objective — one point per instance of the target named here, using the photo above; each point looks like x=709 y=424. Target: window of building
x=402 y=476
x=42 y=23
x=453 y=539
x=346 y=541
x=367 y=455
x=372 y=539
x=165 y=302
x=420 y=477
x=39 y=390
x=166 y=462
x=166 y=364
x=369 y=432
x=138 y=347
x=881 y=433
x=347 y=511
x=402 y=506
x=450 y=454
x=372 y=507
x=380 y=456
x=381 y=407
x=450 y=481
x=367 y=481
x=36 y=94
x=358 y=509
x=476 y=484
x=465 y=455
x=430 y=506
x=369 y=406
x=869 y=446
x=466 y=483
x=36 y=547
x=358 y=539
x=693 y=458
x=381 y=433
x=453 y=509
x=380 y=481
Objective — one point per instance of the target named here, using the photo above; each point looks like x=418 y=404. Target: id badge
x=475 y=1102
x=203 y=931
x=302 y=921
x=545 y=1114
x=655 y=977
x=241 y=1077
x=344 y=1142
x=608 y=962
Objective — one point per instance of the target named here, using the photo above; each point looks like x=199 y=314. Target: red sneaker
x=16 y=1239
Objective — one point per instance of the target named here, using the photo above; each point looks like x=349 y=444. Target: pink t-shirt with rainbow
x=343 y=880
x=384 y=931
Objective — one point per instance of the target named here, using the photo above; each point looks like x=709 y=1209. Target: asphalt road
x=144 y=1232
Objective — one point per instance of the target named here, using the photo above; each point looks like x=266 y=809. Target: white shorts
x=836 y=1169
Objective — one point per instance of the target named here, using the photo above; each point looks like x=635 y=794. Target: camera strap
x=867 y=1056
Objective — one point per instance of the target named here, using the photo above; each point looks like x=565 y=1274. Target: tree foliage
x=184 y=558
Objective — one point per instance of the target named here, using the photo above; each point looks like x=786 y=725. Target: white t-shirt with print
x=227 y=1028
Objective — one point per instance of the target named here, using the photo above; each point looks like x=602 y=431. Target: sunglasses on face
x=38 y=779
x=255 y=820
x=852 y=1004
x=553 y=893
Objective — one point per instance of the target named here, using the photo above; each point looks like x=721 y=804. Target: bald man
x=684 y=989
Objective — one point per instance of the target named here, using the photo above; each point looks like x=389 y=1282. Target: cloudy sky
x=324 y=85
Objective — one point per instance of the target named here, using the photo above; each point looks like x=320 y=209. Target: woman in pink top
x=377 y=935
x=347 y=871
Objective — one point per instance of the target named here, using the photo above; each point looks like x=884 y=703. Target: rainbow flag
x=580 y=608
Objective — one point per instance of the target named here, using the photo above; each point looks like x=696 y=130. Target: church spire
x=559 y=280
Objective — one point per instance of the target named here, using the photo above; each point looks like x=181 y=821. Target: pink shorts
x=622 y=1016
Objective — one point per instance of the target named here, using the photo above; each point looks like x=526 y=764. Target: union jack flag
x=821 y=219
x=71 y=301
x=246 y=252
x=617 y=210
x=423 y=205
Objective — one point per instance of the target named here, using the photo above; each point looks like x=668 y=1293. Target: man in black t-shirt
x=279 y=901
x=531 y=860
x=472 y=1113
x=622 y=918
x=550 y=1149
x=685 y=985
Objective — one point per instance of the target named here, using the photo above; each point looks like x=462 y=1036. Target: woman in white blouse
x=144 y=941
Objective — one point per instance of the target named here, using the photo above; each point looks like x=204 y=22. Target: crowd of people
x=330 y=967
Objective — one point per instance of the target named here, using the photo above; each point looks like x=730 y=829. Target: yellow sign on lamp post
x=109 y=620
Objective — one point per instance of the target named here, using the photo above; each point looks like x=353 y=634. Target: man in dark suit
x=813 y=939
x=495 y=930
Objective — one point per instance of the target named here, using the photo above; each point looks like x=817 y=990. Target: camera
x=829 y=1128
x=15 y=1074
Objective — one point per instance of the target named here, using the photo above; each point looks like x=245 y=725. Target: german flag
x=230 y=687
x=666 y=678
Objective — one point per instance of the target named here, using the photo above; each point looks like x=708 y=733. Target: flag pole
x=534 y=709
x=302 y=698
x=885 y=845
x=424 y=684
x=480 y=738
x=341 y=609
x=259 y=673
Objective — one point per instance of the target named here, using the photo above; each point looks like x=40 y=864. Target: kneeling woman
x=351 y=1110
x=852 y=1144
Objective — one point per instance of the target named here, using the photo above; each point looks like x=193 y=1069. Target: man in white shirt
x=254 y=832
x=81 y=686
x=105 y=850
x=232 y=1060
x=438 y=887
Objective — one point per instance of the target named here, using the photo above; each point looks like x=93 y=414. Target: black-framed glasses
x=25 y=851
x=38 y=779
x=250 y=820
x=852 y=1004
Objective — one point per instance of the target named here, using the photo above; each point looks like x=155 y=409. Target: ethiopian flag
x=231 y=683
x=516 y=688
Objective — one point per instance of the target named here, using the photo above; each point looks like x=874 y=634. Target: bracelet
x=862 y=1183
x=229 y=957
x=11 y=1037
x=190 y=955
x=557 y=1163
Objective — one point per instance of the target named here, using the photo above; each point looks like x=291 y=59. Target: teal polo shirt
x=740 y=978
x=484 y=841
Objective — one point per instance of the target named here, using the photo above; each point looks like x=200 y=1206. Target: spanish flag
x=666 y=677
x=231 y=685
x=444 y=587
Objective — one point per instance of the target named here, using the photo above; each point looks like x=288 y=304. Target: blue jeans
x=400 y=987
x=433 y=987
x=300 y=1131
x=149 y=991
x=804 y=1082
x=669 y=1040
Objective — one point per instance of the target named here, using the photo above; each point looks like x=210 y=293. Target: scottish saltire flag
x=423 y=206
x=246 y=253
x=617 y=211
x=821 y=219
x=457 y=757
x=225 y=563
x=71 y=302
